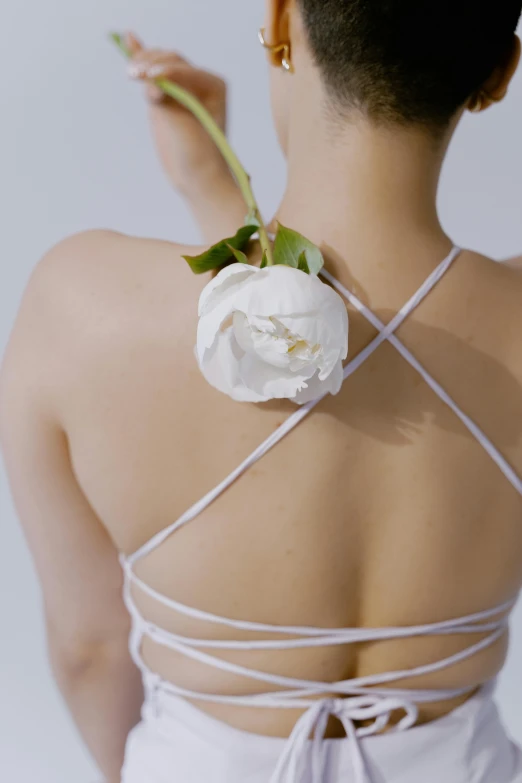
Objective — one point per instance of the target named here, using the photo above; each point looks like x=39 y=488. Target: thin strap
x=473 y=623
x=302 y=688
x=385 y=333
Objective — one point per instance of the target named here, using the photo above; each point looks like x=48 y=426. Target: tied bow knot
x=348 y=710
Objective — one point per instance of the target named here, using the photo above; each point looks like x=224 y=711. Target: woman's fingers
x=149 y=65
x=200 y=83
x=134 y=45
x=146 y=62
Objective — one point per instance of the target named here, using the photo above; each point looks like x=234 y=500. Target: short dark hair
x=408 y=61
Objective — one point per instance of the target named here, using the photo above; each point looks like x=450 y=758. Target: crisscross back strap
x=492 y=450
x=386 y=332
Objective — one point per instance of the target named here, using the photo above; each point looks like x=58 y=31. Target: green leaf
x=302 y=263
x=222 y=252
x=264 y=260
x=289 y=246
x=238 y=255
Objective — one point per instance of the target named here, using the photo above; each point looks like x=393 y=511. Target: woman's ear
x=496 y=87
x=277 y=27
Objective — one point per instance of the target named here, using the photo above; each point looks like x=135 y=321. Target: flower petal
x=271 y=382
x=266 y=346
x=285 y=292
x=327 y=326
x=220 y=303
x=222 y=283
x=220 y=367
x=316 y=388
x=282 y=289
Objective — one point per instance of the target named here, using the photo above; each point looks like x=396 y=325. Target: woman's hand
x=189 y=156
x=191 y=160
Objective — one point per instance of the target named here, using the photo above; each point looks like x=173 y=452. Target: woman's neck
x=366 y=195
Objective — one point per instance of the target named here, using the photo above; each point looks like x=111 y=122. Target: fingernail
x=155 y=70
x=135 y=70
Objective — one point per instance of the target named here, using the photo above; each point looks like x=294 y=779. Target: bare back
x=379 y=509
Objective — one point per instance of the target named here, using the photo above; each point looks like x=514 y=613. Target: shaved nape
x=408 y=61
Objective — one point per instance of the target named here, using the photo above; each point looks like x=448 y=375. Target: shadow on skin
x=399 y=404
x=389 y=400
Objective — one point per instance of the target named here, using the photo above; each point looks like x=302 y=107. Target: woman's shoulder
x=494 y=277
x=102 y=275
x=97 y=296
x=488 y=293
x=111 y=260
x=493 y=266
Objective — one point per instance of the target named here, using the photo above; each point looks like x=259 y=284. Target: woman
x=387 y=508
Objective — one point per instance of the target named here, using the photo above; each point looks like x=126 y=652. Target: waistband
x=445 y=749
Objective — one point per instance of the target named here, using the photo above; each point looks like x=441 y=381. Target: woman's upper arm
x=75 y=558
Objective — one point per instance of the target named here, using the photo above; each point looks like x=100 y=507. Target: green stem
x=205 y=118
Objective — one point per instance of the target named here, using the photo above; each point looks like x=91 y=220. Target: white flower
x=271 y=333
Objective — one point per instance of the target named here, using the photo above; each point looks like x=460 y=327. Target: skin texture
x=380 y=509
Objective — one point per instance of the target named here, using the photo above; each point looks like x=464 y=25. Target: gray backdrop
x=75 y=153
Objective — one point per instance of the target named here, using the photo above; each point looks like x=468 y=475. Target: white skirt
x=178 y=743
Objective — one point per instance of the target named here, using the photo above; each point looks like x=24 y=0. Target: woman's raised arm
x=189 y=157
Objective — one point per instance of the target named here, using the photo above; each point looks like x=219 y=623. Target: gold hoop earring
x=480 y=99
x=477 y=104
x=286 y=61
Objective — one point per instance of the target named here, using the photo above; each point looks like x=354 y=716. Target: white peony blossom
x=271 y=333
